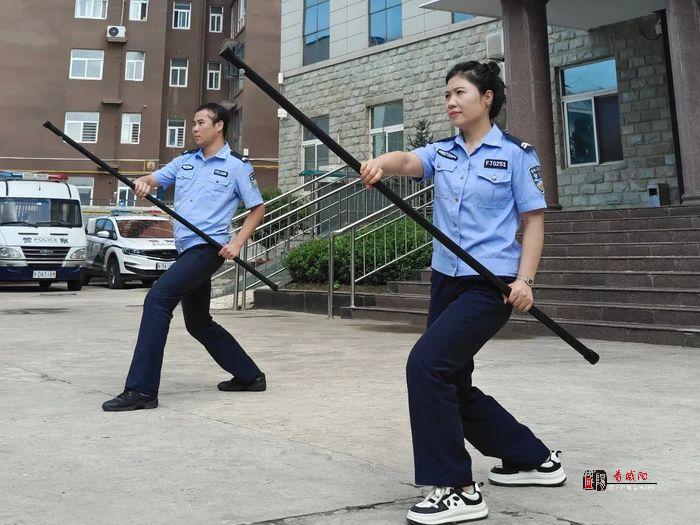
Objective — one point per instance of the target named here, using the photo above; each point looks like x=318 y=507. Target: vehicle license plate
x=43 y=274
x=163 y=265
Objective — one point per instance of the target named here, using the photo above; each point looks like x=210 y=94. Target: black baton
x=228 y=54
x=102 y=164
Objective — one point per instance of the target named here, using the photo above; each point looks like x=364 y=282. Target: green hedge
x=308 y=263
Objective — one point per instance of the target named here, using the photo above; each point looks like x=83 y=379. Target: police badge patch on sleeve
x=253 y=182
x=535 y=173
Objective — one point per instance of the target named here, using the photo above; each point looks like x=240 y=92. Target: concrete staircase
x=622 y=275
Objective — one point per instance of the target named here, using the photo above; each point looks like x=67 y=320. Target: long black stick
x=229 y=55
x=102 y=164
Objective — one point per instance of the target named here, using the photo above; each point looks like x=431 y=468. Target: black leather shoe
x=235 y=385
x=130 y=400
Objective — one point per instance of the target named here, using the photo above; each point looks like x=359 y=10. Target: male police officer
x=209 y=184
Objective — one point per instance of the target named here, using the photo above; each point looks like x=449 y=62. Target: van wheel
x=44 y=285
x=75 y=285
x=114 y=276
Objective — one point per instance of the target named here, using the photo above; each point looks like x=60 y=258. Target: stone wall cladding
x=415 y=74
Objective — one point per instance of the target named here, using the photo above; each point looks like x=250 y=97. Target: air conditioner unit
x=116 y=32
x=494 y=46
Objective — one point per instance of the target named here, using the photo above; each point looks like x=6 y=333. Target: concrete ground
x=329 y=442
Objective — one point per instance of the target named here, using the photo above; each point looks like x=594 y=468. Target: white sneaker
x=548 y=474
x=448 y=505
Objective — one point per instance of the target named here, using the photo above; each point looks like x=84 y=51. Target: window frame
x=105 y=9
x=240 y=15
x=217 y=76
x=578 y=97
x=179 y=69
x=385 y=11
x=304 y=35
x=385 y=129
x=82 y=186
x=131 y=130
x=177 y=12
x=82 y=123
x=86 y=60
x=169 y=127
x=140 y=3
x=218 y=17
x=128 y=61
x=314 y=142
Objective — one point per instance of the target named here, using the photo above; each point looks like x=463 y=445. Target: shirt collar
x=492 y=138
x=223 y=153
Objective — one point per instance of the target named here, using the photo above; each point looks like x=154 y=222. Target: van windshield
x=30 y=211
x=145 y=229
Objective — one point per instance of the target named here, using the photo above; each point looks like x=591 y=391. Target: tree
x=422 y=136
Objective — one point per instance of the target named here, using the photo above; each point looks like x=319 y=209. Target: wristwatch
x=528 y=280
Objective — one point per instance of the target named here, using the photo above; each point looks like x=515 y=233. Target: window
x=181 y=15
x=238 y=128
x=591 y=113
x=91 y=9
x=86 y=64
x=125 y=197
x=214 y=75
x=138 y=10
x=85 y=186
x=237 y=17
x=82 y=126
x=233 y=72
x=315 y=153
x=176 y=133
x=459 y=17
x=317 y=33
x=178 y=72
x=386 y=128
x=384 y=21
x=135 y=61
x=216 y=19
x=131 y=128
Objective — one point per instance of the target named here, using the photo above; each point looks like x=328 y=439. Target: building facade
x=370 y=70
x=123 y=78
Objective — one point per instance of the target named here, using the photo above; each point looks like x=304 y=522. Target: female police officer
x=486 y=182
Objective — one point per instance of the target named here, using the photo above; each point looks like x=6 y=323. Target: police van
x=126 y=247
x=41 y=231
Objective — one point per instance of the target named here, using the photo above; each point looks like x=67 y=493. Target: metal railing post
x=352 y=268
x=331 y=277
x=245 y=277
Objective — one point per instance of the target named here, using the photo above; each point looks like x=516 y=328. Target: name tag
x=221 y=173
x=496 y=163
x=447 y=154
x=187 y=167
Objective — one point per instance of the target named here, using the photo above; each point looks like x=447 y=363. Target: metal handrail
x=368 y=220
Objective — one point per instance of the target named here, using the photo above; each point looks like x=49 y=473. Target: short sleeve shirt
x=208 y=192
x=478 y=199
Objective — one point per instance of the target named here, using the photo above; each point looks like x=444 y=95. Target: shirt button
x=456 y=199
x=493 y=178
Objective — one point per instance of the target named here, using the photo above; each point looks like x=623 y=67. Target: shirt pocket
x=444 y=172
x=492 y=188
x=217 y=185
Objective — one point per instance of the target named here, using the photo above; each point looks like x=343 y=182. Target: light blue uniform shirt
x=478 y=199
x=207 y=193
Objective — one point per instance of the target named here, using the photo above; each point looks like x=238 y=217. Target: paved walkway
x=329 y=442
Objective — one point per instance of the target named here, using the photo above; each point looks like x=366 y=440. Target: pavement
x=329 y=442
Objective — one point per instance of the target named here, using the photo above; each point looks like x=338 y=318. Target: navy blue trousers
x=465 y=312
x=188 y=281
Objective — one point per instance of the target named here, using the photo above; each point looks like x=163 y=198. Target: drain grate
x=34 y=311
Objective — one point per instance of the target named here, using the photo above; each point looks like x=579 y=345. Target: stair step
x=679 y=235
x=626 y=224
x=656 y=249
x=665 y=211
x=525 y=324
x=626 y=263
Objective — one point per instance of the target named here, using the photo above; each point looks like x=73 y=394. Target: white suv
x=129 y=247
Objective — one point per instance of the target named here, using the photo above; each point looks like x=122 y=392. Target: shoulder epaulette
x=187 y=152
x=443 y=140
x=515 y=140
x=239 y=156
